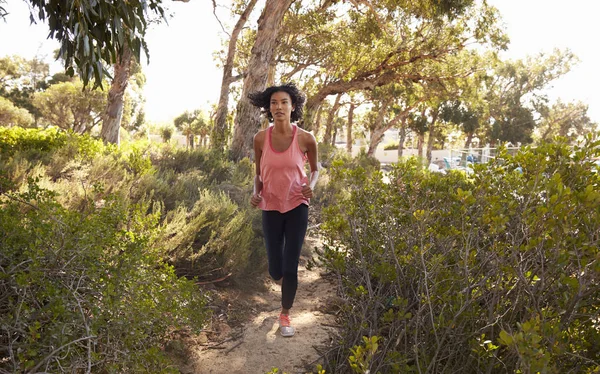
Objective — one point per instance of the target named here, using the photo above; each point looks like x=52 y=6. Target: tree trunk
x=331 y=119
x=308 y=126
x=420 y=141
x=376 y=138
x=401 y=138
x=349 y=129
x=469 y=140
x=247 y=119
x=111 y=123
x=220 y=130
x=431 y=139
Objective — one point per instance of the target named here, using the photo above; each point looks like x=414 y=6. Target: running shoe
x=285 y=326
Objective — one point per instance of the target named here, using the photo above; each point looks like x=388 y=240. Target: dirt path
x=255 y=347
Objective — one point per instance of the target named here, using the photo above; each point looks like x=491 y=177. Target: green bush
x=497 y=273
x=214 y=238
x=87 y=290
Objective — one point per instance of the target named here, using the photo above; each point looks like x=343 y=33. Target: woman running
x=281 y=187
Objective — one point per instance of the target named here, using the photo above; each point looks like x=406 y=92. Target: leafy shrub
x=86 y=290
x=499 y=273
x=214 y=239
x=391 y=146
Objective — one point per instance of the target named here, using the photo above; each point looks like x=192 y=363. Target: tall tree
x=220 y=129
x=70 y=106
x=247 y=119
x=94 y=33
x=111 y=121
x=11 y=115
x=568 y=120
x=376 y=43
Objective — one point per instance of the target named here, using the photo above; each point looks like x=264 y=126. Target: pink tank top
x=282 y=174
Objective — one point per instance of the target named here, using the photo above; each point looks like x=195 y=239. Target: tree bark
x=331 y=119
x=431 y=139
x=401 y=138
x=469 y=140
x=111 y=123
x=349 y=129
x=247 y=120
x=315 y=127
x=420 y=141
x=220 y=129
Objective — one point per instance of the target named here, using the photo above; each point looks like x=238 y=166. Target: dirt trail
x=256 y=346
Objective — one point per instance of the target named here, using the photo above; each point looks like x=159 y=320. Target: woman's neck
x=282 y=127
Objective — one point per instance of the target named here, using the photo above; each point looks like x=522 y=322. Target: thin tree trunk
x=469 y=140
x=376 y=138
x=431 y=140
x=331 y=119
x=316 y=125
x=401 y=138
x=220 y=129
x=247 y=119
x=420 y=141
x=349 y=129
x=111 y=123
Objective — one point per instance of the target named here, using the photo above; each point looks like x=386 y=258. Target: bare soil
x=244 y=335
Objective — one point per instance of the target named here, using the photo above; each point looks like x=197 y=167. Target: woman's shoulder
x=305 y=135
x=260 y=135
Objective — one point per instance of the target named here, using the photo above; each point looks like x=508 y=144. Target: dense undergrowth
x=101 y=247
x=498 y=272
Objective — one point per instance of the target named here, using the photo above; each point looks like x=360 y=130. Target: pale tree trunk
x=220 y=131
x=379 y=131
x=111 y=123
x=378 y=128
x=349 y=128
x=331 y=119
x=420 y=141
x=469 y=140
x=401 y=138
x=247 y=119
x=431 y=139
x=316 y=125
x=376 y=138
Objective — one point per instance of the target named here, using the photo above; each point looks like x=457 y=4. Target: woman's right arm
x=258 y=142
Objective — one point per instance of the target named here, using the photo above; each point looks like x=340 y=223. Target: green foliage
x=111 y=229
x=71 y=107
x=497 y=273
x=87 y=289
x=10 y=115
x=25 y=140
x=96 y=32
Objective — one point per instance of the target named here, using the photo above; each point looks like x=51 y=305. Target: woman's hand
x=255 y=200
x=307 y=192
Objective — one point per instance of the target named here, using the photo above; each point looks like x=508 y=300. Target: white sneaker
x=285 y=326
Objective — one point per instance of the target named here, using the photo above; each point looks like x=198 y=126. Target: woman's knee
x=276 y=275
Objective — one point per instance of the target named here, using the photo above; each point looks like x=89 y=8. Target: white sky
x=182 y=75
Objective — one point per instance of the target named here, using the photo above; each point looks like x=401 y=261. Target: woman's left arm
x=313 y=159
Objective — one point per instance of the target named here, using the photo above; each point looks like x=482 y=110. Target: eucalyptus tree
x=94 y=35
x=352 y=48
x=513 y=93
x=569 y=120
x=392 y=104
x=247 y=119
x=361 y=46
x=220 y=131
x=70 y=106
x=20 y=78
x=11 y=115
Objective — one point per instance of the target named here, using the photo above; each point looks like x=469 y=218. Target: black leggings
x=284 y=235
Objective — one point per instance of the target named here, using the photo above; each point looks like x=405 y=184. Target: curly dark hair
x=262 y=100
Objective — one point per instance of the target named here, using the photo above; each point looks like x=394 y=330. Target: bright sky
x=182 y=75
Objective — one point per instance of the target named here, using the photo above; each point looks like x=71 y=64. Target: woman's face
x=281 y=106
